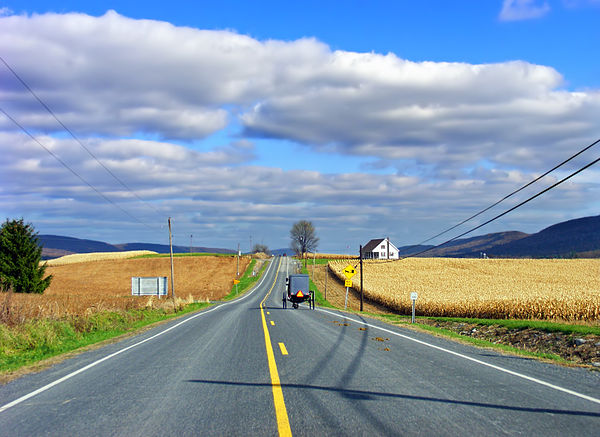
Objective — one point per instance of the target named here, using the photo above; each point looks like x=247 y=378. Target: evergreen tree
x=20 y=256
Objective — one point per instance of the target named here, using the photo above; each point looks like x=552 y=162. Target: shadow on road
x=373 y=395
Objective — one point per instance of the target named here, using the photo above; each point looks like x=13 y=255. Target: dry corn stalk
x=487 y=288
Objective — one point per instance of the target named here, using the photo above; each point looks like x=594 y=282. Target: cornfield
x=96 y=256
x=485 y=288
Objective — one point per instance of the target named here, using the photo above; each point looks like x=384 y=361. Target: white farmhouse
x=380 y=248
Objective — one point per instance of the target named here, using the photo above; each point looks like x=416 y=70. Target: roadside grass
x=510 y=324
x=38 y=340
x=403 y=320
x=319 y=299
x=247 y=280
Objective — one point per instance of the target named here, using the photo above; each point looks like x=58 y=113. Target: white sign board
x=146 y=286
x=413 y=296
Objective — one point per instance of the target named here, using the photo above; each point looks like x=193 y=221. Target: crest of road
x=251 y=367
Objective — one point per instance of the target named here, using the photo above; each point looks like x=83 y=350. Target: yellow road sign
x=349 y=271
x=348 y=283
x=235 y=281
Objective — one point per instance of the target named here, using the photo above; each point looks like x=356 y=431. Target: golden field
x=96 y=256
x=87 y=287
x=544 y=289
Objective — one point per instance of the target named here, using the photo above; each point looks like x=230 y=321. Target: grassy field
x=492 y=288
x=90 y=300
x=97 y=256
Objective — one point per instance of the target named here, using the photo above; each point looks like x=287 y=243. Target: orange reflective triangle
x=299 y=294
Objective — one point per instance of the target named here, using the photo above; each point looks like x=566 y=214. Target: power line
x=55 y=156
x=51 y=112
x=508 y=210
x=513 y=193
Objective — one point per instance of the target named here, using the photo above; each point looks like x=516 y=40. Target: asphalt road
x=246 y=368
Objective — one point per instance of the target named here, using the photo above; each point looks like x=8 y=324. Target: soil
x=575 y=349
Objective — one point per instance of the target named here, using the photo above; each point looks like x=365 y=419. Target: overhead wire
x=51 y=112
x=511 y=194
x=504 y=198
x=64 y=164
x=508 y=210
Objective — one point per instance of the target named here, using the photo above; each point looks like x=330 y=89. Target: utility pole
x=171 y=250
x=361 y=278
x=326 y=274
x=238 y=260
x=191 y=243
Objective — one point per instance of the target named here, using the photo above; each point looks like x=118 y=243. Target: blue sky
x=371 y=119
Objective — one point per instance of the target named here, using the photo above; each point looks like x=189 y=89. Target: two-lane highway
x=250 y=367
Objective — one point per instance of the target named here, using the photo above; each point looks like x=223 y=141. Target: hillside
x=578 y=237
x=572 y=238
x=54 y=246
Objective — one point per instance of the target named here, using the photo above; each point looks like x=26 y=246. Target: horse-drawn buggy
x=298 y=291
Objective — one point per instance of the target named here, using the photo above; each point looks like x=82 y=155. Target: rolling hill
x=54 y=246
x=572 y=238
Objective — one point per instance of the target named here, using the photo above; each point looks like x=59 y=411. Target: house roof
x=372 y=245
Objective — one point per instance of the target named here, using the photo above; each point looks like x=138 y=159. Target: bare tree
x=303 y=238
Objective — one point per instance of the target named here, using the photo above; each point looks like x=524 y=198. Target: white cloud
x=221 y=203
x=116 y=76
x=460 y=135
x=515 y=10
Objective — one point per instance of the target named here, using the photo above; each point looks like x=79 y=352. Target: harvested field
x=96 y=256
x=88 y=287
x=486 y=288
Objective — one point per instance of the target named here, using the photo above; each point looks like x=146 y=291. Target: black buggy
x=298 y=291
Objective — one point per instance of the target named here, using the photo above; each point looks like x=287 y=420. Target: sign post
x=236 y=282
x=413 y=297
x=349 y=272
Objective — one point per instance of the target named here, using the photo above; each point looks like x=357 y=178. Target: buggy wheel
x=312 y=299
x=295 y=305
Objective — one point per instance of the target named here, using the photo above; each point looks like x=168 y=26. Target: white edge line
x=475 y=360
x=108 y=357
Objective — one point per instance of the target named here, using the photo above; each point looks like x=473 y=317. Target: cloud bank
x=143 y=93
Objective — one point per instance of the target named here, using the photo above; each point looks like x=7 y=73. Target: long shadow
x=374 y=395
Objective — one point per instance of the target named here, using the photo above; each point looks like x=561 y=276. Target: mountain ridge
x=54 y=246
x=572 y=238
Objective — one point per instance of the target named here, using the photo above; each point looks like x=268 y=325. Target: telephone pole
x=361 y=278
x=238 y=260
x=171 y=250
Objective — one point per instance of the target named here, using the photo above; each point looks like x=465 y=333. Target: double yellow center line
x=283 y=423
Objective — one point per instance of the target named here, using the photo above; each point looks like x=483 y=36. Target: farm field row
x=544 y=289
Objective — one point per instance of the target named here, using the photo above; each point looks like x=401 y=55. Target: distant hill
x=578 y=237
x=473 y=247
x=54 y=246
x=281 y=252
x=573 y=238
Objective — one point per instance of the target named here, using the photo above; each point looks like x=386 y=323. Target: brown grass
x=88 y=287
